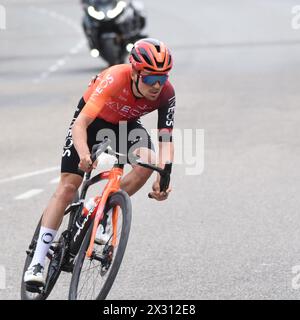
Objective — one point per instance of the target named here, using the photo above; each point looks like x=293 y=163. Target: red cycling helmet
x=151 y=55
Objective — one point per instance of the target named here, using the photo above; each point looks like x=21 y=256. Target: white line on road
x=29 y=194
x=29 y=174
x=55 y=180
x=53 y=68
x=75 y=50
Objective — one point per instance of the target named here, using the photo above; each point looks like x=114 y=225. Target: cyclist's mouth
x=154 y=93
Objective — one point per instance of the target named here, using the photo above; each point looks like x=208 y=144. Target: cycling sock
x=46 y=236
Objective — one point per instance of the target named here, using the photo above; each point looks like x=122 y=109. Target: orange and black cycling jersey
x=110 y=97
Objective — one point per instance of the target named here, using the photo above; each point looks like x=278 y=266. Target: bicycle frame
x=114 y=177
x=113 y=185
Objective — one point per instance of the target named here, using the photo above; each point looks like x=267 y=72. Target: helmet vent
x=145 y=56
x=160 y=64
x=135 y=56
x=151 y=55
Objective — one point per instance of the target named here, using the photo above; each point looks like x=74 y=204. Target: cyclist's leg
x=62 y=197
x=52 y=217
x=65 y=192
x=71 y=179
x=139 y=142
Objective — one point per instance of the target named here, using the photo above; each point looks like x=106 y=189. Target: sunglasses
x=152 y=79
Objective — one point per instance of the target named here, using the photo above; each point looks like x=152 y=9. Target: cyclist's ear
x=133 y=74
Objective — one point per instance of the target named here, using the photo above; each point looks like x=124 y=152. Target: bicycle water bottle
x=89 y=206
x=82 y=224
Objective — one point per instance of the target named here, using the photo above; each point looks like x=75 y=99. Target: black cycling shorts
x=125 y=137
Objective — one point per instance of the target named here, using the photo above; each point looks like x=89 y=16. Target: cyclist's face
x=150 y=92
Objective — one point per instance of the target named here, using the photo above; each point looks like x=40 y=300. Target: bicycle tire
x=24 y=295
x=122 y=200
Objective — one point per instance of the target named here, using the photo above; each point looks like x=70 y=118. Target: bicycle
x=77 y=250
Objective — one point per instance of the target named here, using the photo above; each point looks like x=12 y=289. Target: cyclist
x=116 y=97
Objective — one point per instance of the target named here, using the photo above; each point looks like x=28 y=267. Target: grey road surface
x=231 y=227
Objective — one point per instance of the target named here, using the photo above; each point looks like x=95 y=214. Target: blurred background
x=231 y=232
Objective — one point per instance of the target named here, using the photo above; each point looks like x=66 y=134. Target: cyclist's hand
x=86 y=164
x=157 y=195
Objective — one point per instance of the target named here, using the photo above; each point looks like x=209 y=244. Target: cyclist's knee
x=68 y=186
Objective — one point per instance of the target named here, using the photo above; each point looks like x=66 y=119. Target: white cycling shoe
x=35 y=276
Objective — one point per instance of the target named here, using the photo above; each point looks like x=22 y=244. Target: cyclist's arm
x=166 y=153
x=90 y=111
x=79 y=133
x=166 y=145
x=165 y=125
x=166 y=149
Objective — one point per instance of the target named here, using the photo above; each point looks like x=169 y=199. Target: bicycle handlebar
x=164 y=173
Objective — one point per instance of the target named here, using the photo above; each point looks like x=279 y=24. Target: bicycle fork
x=113 y=185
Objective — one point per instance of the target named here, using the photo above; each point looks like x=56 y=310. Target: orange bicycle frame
x=113 y=185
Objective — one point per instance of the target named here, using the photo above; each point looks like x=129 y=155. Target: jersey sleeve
x=166 y=114
x=106 y=88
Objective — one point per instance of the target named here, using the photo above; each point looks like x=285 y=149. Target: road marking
x=53 y=68
x=60 y=62
x=55 y=180
x=57 y=16
x=75 y=50
x=29 y=174
x=29 y=194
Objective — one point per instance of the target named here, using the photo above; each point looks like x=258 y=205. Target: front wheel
x=93 y=277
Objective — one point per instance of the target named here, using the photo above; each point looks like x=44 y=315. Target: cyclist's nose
x=156 y=85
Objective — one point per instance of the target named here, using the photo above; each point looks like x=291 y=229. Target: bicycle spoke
x=91 y=278
x=94 y=282
x=84 y=282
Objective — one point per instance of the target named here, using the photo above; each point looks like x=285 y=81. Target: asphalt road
x=231 y=228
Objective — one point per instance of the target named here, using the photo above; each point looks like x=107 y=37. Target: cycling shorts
x=125 y=136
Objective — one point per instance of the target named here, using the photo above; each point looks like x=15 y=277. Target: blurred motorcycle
x=112 y=26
